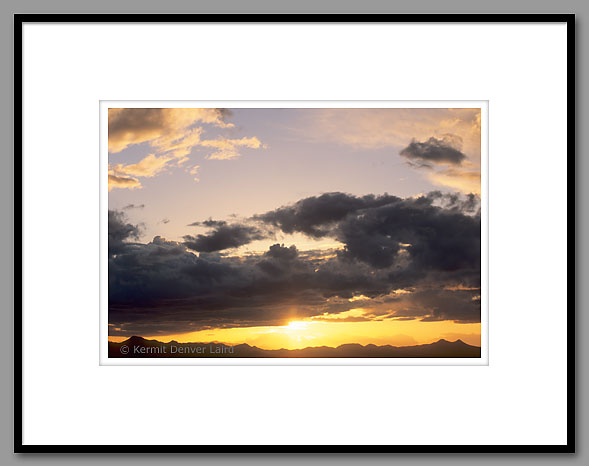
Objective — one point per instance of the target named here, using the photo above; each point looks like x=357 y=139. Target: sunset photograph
x=313 y=207
x=294 y=232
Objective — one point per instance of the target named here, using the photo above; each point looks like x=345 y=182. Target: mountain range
x=138 y=347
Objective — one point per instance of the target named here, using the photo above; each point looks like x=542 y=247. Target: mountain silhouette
x=138 y=347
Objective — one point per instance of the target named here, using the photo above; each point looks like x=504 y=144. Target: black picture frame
x=20 y=19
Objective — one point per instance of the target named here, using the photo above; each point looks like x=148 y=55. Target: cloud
x=314 y=216
x=126 y=176
x=440 y=305
x=147 y=167
x=469 y=203
x=119 y=232
x=194 y=171
x=171 y=134
x=464 y=180
x=446 y=165
x=413 y=233
x=377 y=128
x=280 y=252
x=413 y=258
x=435 y=151
x=228 y=149
x=126 y=182
x=134 y=206
x=159 y=126
x=444 y=142
x=375 y=228
x=223 y=236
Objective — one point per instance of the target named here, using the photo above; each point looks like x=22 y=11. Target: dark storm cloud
x=314 y=216
x=426 y=244
x=465 y=203
x=278 y=259
x=119 y=231
x=434 y=305
x=434 y=238
x=160 y=270
x=434 y=151
x=281 y=252
x=375 y=228
x=162 y=287
x=222 y=237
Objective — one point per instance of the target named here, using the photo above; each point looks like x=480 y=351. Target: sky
x=294 y=227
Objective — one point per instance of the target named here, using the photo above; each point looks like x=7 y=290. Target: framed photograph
x=304 y=257
x=267 y=229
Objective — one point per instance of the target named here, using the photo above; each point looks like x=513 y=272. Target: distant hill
x=138 y=347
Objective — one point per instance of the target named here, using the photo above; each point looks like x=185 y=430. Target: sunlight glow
x=296 y=325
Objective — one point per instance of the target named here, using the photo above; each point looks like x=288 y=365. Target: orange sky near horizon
x=304 y=333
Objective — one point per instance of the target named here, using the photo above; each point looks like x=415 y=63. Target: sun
x=296 y=325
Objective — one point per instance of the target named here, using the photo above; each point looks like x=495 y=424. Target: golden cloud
x=147 y=167
x=171 y=134
x=122 y=182
x=462 y=180
x=194 y=171
x=381 y=127
x=229 y=148
x=159 y=126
